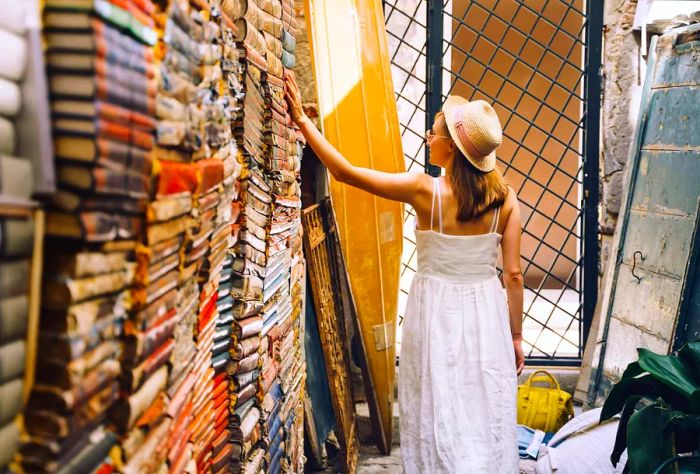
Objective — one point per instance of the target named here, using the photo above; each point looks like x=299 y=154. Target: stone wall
x=623 y=77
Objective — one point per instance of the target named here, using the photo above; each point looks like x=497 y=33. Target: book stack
x=84 y=300
x=153 y=397
x=102 y=100
x=246 y=66
x=102 y=87
x=269 y=261
x=283 y=380
x=201 y=252
x=16 y=236
x=194 y=109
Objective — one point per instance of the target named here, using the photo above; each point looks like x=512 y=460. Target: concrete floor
x=371 y=461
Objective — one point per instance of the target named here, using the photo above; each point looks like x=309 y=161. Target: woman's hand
x=293 y=96
x=519 y=355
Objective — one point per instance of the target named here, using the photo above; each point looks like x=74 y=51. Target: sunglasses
x=429 y=134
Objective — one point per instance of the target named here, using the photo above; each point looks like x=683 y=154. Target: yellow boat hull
x=359 y=117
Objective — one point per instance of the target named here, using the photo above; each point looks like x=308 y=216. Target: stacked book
x=283 y=381
x=152 y=395
x=269 y=261
x=249 y=253
x=84 y=299
x=194 y=136
x=102 y=88
x=205 y=250
x=16 y=237
x=179 y=137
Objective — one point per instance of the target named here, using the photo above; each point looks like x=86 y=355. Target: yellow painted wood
x=358 y=116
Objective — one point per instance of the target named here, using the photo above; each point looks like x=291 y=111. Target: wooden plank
x=663 y=239
x=672 y=122
x=649 y=305
x=346 y=301
x=680 y=168
x=627 y=339
x=679 y=69
x=36 y=272
x=334 y=345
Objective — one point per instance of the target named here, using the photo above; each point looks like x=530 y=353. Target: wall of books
x=170 y=334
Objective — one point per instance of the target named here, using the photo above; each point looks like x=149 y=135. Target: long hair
x=476 y=192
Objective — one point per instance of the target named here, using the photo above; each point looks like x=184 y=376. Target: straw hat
x=475 y=128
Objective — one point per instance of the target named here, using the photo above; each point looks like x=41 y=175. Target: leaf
x=621 y=436
x=632 y=382
x=669 y=370
x=687 y=430
x=647 y=444
x=643 y=384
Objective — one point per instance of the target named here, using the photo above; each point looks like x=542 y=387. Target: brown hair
x=476 y=192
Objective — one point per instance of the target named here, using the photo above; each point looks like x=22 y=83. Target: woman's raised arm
x=403 y=187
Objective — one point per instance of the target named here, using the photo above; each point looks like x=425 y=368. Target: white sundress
x=457 y=382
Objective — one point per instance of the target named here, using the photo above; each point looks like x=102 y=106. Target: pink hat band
x=464 y=136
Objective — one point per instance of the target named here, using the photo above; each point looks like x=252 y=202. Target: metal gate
x=538 y=63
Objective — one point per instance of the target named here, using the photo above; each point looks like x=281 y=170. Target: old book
x=110 y=129
x=7 y=137
x=47 y=423
x=167 y=230
x=63 y=291
x=169 y=207
x=125 y=412
x=93 y=226
x=80 y=318
x=103 y=180
x=13 y=318
x=69 y=347
x=93 y=455
x=13 y=55
x=66 y=375
x=70 y=202
x=10 y=98
x=79 y=264
x=11 y=396
x=132 y=379
x=120 y=13
x=85 y=62
x=140 y=345
x=72 y=110
x=14 y=279
x=16 y=176
x=12 y=357
x=107 y=75
x=53 y=398
x=105 y=89
x=43 y=454
x=9 y=442
x=153 y=451
x=104 y=151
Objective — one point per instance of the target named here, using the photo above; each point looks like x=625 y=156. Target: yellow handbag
x=543 y=408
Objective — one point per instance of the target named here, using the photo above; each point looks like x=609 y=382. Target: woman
x=461 y=341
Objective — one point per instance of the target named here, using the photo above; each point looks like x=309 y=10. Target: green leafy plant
x=659 y=401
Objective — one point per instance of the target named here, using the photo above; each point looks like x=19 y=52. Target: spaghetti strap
x=432 y=205
x=494 y=222
x=439 y=200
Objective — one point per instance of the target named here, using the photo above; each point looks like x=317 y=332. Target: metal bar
x=433 y=76
x=589 y=231
x=558 y=362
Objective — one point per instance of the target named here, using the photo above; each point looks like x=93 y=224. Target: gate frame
x=588 y=223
